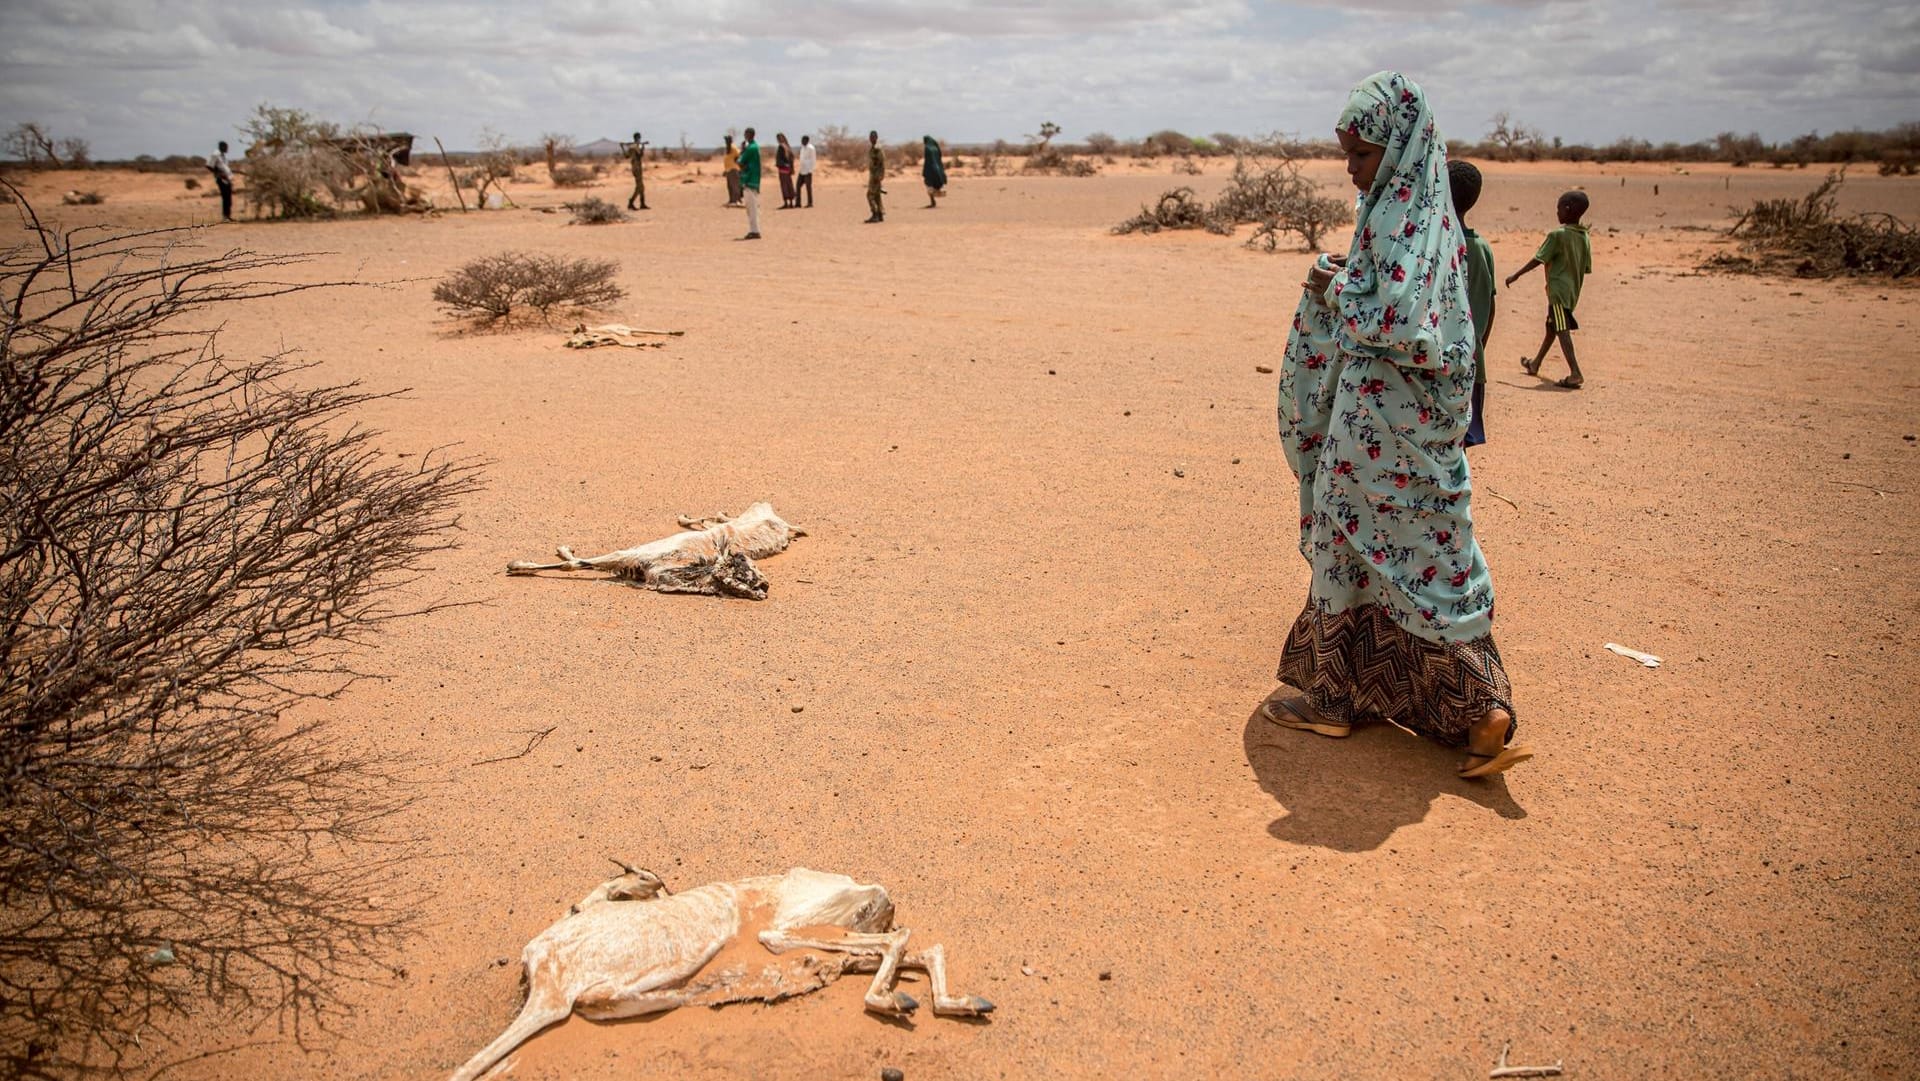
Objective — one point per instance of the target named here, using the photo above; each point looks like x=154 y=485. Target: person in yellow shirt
x=731 y=169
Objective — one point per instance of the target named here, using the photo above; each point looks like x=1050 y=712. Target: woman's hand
x=1321 y=275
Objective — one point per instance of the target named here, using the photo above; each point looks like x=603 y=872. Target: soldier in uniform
x=876 y=172
x=636 y=152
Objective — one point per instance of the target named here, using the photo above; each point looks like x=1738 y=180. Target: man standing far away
x=750 y=181
x=636 y=152
x=804 y=181
x=222 y=176
x=731 y=169
x=876 y=172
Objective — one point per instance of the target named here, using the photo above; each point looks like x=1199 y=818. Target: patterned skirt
x=1359 y=666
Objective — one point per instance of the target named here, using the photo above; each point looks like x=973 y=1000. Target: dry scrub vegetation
x=495 y=289
x=1811 y=239
x=189 y=545
x=1270 y=193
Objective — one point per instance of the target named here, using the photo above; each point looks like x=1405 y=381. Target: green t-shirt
x=750 y=166
x=1568 y=255
x=1480 y=290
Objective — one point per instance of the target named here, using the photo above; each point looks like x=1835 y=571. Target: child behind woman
x=1567 y=253
x=1464 y=181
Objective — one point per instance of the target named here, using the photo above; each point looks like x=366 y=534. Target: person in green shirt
x=750 y=182
x=1463 y=179
x=876 y=173
x=1567 y=253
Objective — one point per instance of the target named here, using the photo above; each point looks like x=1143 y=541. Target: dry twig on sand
x=534 y=739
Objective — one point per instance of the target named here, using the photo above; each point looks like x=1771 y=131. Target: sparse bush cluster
x=1271 y=194
x=495 y=289
x=594 y=210
x=1809 y=237
x=567 y=175
x=192 y=543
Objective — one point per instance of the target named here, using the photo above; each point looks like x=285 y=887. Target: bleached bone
x=631 y=948
x=714 y=555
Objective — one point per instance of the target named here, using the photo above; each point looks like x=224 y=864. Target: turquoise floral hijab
x=1402 y=292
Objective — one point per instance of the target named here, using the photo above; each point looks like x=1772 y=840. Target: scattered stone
x=502 y=962
x=1909 y=438
x=1026 y=970
x=1179 y=472
x=1847 y=455
x=162 y=956
x=1263 y=369
x=1129 y=412
x=1050 y=371
x=656 y=757
x=1106 y=974
x=797 y=708
x=893 y=1073
x=1236 y=461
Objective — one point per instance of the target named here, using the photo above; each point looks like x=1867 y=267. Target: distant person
x=783 y=163
x=222 y=171
x=1567 y=253
x=1463 y=179
x=636 y=152
x=932 y=171
x=750 y=183
x=803 y=182
x=731 y=168
x=876 y=173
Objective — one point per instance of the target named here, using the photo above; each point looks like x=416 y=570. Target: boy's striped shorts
x=1560 y=319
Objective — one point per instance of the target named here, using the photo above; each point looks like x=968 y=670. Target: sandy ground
x=1029 y=654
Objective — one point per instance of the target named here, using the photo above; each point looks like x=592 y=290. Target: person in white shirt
x=223 y=176
x=804 y=181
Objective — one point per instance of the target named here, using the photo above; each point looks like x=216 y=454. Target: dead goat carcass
x=630 y=948
x=715 y=555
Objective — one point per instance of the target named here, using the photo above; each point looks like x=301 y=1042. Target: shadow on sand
x=1351 y=794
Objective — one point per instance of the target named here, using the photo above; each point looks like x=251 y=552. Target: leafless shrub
x=30 y=143
x=1101 y=143
x=192 y=182
x=1177 y=209
x=1272 y=194
x=1046 y=159
x=77 y=151
x=495 y=288
x=1276 y=197
x=1186 y=166
x=594 y=210
x=189 y=544
x=571 y=176
x=839 y=145
x=1809 y=236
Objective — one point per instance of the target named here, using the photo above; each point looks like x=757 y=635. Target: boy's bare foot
x=1487 y=753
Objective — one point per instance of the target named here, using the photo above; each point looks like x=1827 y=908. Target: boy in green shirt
x=1567 y=253
x=1463 y=179
x=750 y=184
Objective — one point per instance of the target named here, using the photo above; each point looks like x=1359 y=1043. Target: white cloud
x=163 y=76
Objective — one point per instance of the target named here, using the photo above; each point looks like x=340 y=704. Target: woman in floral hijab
x=1374 y=396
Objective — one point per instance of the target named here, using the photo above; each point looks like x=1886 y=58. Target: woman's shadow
x=1351 y=794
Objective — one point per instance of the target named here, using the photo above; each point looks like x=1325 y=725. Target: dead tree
x=189 y=544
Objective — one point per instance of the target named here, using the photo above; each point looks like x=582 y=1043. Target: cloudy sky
x=173 y=76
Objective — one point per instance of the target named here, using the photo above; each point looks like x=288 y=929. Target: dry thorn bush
x=594 y=210
x=494 y=289
x=1809 y=236
x=1267 y=191
x=567 y=175
x=189 y=545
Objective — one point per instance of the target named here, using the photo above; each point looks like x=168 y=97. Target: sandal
x=1491 y=764
x=1530 y=367
x=1570 y=383
x=1296 y=713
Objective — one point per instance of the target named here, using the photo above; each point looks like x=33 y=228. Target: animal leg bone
x=886 y=948
x=933 y=960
